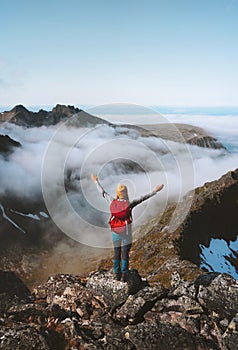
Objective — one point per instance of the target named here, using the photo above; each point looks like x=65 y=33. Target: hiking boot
x=125 y=276
x=117 y=276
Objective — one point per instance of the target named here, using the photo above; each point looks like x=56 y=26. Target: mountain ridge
x=76 y=117
x=21 y=116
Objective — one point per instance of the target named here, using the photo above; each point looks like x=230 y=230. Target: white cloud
x=74 y=154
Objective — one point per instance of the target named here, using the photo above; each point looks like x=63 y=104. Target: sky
x=94 y=52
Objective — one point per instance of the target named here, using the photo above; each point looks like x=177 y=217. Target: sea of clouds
x=58 y=161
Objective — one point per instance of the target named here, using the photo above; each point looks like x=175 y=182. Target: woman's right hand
x=159 y=188
x=94 y=178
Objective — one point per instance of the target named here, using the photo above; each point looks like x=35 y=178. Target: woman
x=121 y=227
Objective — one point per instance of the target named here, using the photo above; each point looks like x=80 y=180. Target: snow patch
x=29 y=215
x=42 y=213
x=8 y=219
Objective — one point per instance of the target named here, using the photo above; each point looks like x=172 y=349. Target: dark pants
x=122 y=244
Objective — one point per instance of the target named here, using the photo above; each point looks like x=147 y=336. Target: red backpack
x=120 y=215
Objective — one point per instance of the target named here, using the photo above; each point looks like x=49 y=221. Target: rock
x=213 y=214
x=231 y=334
x=220 y=295
x=134 y=281
x=134 y=308
x=23 y=337
x=115 y=292
x=182 y=288
x=103 y=283
x=179 y=306
x=70 y=295
x=68 y=313
x=234 y=175
x=65 y=110
x=163 y=336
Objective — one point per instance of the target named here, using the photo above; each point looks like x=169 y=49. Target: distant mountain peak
x=67 y=110
x=19 y=108
x=21 y=116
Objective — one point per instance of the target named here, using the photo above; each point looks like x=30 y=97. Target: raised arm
x=135 y=202
x=101 y=189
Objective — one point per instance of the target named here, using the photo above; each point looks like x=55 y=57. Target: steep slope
x=213 y=214
x=33 y=246
x=161 y=249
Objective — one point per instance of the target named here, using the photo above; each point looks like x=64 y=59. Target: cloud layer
x=58 y=161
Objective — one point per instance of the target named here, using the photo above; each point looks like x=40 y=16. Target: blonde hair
x=122 y=192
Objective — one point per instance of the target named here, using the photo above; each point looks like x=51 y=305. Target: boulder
x=218 y=293
x=230 y=336
x=135 y=306
x=70 y=295
x=19 y=337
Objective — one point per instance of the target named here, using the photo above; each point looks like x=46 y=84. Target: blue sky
x=148 y=52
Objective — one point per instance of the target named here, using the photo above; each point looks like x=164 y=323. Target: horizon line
x=40 y=106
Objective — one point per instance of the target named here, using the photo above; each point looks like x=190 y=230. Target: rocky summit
x=97 y=312
x=21 y=116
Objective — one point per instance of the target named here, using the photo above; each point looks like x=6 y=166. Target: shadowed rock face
x=7 y=145
x=213 y=215
x=97 y=312
x=12 y=291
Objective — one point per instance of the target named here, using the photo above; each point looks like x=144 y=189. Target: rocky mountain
x=97 y=312
x=170 y=304
x=20 y=115
x=184 y=133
